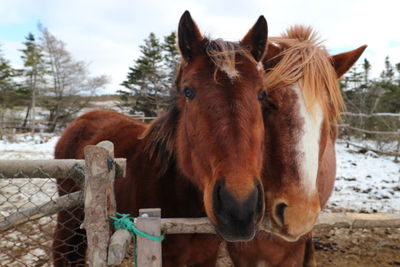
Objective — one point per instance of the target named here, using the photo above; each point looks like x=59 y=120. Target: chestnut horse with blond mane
x=302 y=104
x=187 y=161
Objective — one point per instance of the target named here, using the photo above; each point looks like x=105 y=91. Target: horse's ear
x=344 y=61
x=272 y=56
x=256 y=39
x=189 y=37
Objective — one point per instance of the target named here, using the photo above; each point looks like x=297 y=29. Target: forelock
x=223 y=54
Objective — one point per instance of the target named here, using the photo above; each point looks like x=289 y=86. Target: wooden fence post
x=119 y=244
x=396 y=158
x=148 y=251
x=99 y=200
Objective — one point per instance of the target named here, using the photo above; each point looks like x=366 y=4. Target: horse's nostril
x=280 y=213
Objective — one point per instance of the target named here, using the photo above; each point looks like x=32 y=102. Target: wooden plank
x=46 y=209
x=54 y=168
x=149 y=251
x=187 y=226
x=357 y=220
x=100 y=173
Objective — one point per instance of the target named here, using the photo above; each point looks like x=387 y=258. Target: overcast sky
x=107 y=33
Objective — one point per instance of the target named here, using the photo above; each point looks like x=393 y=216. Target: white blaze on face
x=308 y=146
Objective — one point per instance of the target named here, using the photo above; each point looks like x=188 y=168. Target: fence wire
x=30 y=243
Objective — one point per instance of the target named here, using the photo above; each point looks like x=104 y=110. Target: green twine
x=125 y=221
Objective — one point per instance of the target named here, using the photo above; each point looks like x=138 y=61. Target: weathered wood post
x=99 y=200
x=119 y=244
x=149 y=251
x=396 y=158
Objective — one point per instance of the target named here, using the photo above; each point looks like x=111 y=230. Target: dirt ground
x=346 y=247
x=334 y=247
x=358 y=247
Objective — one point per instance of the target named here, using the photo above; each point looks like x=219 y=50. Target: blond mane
x=305 y=60
x=223 y=55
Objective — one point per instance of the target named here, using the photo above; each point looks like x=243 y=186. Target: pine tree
x=398 y=73
x=171 y=58
x=6 y=73
x=388 y=73
x=367 y=68
x=8 y=87
x=147 y=82
x=390 y=101
x=34 y=72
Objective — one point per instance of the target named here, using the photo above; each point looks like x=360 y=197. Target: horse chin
x=265 y=227
x=236 y=236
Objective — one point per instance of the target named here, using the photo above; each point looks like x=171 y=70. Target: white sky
x=107 y=33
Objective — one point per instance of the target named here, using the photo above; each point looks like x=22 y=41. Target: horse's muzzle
x=237 y=220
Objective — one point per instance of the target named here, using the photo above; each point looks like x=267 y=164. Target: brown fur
x=184 y=159
x=295 y=57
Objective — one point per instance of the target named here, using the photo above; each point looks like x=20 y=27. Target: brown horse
x=301 y=109
x=187 y=161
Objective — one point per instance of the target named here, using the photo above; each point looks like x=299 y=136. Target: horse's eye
x=262 y=95
x=189 y=93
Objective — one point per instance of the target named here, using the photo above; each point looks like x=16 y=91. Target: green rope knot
x=125 y=221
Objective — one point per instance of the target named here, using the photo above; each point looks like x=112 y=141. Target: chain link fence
x=26 y=229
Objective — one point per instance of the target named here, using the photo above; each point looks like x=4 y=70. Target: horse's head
x=300 y=111
x=220 y=130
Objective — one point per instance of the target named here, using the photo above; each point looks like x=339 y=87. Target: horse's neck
x=159 y=139
x=178 y=195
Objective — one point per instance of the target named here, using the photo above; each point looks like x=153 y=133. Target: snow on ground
x=365 y=182
x=24 y=146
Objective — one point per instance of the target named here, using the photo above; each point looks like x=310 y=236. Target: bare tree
x=69 y=84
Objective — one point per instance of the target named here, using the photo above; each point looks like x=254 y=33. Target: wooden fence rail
x=396 y=115
x=369 y=131
x=55 y=168
x=46 y=209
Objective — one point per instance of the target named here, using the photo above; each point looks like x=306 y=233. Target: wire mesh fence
x=28 y=236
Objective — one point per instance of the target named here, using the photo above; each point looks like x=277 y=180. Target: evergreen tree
x=367 y=68
x=398 y=73
x=6 y=74
x=34 y=72
x=147 y=81
x=171 y=58
x=387 y=74
x=8 y=87
x=390 y=100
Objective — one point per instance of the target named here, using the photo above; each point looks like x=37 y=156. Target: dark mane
x=161 y=138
